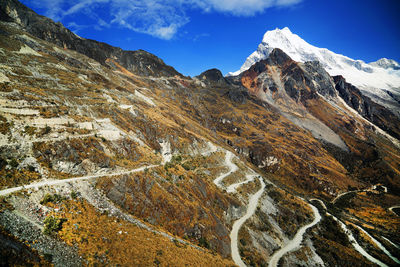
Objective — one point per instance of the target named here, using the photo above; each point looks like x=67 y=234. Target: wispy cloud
x=242 y=7
x=200 y=36
x=159 y=18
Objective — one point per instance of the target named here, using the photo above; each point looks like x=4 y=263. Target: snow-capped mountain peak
x=386 y=64
x=371 y=78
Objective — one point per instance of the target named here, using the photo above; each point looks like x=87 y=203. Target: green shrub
x=51 y=198
x=176 y=158
x=52 y=225
x=14 y=163
x=203 y=242
x=74 y=195
x=30 y=130
x=187 y=166
x=168 y=165
x=47 y=129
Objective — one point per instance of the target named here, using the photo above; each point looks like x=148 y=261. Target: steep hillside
x=139 y=62
x=103 y=163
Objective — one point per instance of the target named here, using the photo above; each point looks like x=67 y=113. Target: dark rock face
x=213 y=76
x=278 y=57
x=304 y=81
x=323 y=81
x=139 y=62
x=301 y=81
x=395 y=97
x=373 y=112
x=353 y=97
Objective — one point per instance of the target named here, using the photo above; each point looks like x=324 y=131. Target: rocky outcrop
x=213 y=76
x=139 y=62
x=353 y=97
x=323 y=82
x=373 y=112
x=300 y=81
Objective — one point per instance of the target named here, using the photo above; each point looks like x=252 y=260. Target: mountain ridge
x=103 y=164
x=139 y=62
x=379 y=80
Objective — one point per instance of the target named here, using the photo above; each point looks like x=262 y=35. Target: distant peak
x=286 y=29
x=386 y=63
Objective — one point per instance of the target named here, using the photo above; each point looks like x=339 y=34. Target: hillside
x=111 y=157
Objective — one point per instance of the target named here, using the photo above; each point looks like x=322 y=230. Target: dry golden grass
x=106 y=240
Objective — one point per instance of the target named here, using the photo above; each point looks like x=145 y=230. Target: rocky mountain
x=379 y=80
x=111 y=157
x=139 y=62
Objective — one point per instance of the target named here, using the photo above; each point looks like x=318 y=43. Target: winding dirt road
x=296 y=241
x=355 y=244
x=251 y=207
x=232 y=168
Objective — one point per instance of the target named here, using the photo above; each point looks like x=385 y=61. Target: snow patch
x=109 y=98
x=377 y=129
x=130 y=108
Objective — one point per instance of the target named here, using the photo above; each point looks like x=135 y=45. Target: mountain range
x=112 y=157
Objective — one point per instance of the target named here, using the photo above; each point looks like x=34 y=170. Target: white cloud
x=242 y=7
x=159 y=18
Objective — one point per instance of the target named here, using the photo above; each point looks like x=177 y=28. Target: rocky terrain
x=111 y=157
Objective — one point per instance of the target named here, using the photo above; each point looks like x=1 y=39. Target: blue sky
x=196 y=35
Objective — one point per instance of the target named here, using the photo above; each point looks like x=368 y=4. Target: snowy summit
x=371 y=78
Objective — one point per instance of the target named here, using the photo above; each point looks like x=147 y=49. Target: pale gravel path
x=379 y=245
x=48 y=139
x=62 y=181
x=394 y=207
x=295 y=243
x=354 y=243
x=357 y=246
x=251 y=207
x=249 y=178
x=232 y=168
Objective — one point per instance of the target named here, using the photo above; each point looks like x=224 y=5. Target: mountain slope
x=380 y=80
x=139 y=62
x=104 y=165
